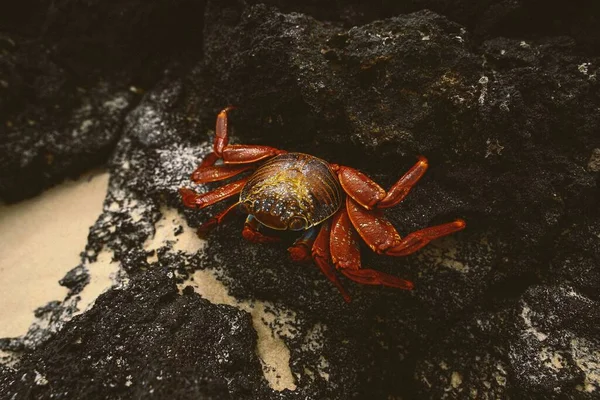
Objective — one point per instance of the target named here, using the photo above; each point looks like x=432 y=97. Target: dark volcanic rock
x=91 y=38
x=488 y=18
x=145 y=341
x=554 y=347
x=543 y=346
x=578 y=256
x=469 y=361
x=66 y=70
x=52 y=128
x=359 y=83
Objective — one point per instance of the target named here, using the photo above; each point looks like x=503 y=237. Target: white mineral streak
x=271 y=349
x=40 y=241
x=586 y=355
x=551 y=360
x=8 y=358
x=456 y=379
x=530 y=329
x=594 y=161
x=483 y=81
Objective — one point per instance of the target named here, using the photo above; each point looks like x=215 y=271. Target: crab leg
x=345 y=253
x=382 y=237
x=414 y=241
x=209 y=160
x=221 y=140
x=360 y=187
x=321 y=255
x=343 y=242
x=400 y=189
x=373 y=277
x=221 y=132
x=218 y=219
x=251 y=232
x=369 y=194
x=234 y=154
x=300 y=251
x=204 y=174
x=194 y=200
x=244 y=154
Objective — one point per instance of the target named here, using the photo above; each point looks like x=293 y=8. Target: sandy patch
x=103 y=275
x=40 y=241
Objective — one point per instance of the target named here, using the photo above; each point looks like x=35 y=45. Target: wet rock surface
x=507 y=115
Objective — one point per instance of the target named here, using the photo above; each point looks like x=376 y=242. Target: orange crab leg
x=400 y=189
x=373 y=277
x=234 y=154
x=194 y=200
x=369 y=194
x=414 y=241
x=343 y=242
x=221 y=132
x=221 y=139
x=345 y=253
x=360 y=187
x=322 y=257
x=217 y=219
x=243 y=154
x=209 y=160
x=205 y=174
x=382 y=237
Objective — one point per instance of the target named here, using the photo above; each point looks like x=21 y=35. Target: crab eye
x=297 y=224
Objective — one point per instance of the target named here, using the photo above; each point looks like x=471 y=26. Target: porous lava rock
x=505 y=111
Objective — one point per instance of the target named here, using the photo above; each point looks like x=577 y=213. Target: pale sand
x=270 y=347
x=103 y=275
x=40 y=241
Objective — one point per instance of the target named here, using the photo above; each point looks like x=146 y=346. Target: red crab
x=300 y=192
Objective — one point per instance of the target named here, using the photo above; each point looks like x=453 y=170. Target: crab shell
x=292 y=191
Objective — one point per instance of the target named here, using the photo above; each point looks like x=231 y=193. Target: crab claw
x=251 y=233
x=300 y=253
x=188 y=197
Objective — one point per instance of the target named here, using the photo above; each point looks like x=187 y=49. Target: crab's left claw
x=345 y=253
x=381 y=236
